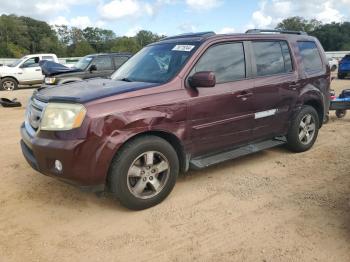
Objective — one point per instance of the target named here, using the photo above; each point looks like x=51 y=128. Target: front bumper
x=83 y=166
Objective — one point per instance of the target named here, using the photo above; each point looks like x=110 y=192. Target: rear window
x=272 y=57
x=310 y=56
x=49 y=58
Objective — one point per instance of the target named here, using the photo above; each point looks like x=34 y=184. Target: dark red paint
x=195 y=120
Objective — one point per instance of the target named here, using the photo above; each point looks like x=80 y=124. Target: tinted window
x=310 y=56
x=225 y=60
x=119 y=60
x=286 y=56
x=269 y=58
x=103 y=63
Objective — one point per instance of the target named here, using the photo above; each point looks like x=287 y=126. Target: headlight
x=62 y=116
x=50 y=80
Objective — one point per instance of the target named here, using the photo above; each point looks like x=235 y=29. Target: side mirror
x=202 y=79
x=92 y=68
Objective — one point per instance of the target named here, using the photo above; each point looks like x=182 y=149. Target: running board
x=202 y=162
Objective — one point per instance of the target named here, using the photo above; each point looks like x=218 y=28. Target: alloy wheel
x=8 y=85
x=148 y=174
x=307 y=129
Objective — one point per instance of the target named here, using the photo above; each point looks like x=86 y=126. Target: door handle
x=294 y=85
x=244 y=94
x=37 y=69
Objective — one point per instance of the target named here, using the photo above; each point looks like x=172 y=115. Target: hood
x=88 y=90
x=6 y=70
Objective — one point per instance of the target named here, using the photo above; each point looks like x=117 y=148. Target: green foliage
x=297 y=23
x=333 y=37
x=23 y=35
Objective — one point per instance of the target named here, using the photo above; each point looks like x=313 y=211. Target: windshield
x=17 y=62
x=83 y=63
x=156 y=63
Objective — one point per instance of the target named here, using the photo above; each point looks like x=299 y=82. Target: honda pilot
x=185 y=102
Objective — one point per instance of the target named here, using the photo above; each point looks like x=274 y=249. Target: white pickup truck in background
x=25 y=71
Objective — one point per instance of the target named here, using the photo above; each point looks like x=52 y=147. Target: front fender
x=115 y=130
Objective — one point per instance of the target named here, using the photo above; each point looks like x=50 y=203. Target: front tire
x=9 y=84
x=303 y=131
x=144 y=172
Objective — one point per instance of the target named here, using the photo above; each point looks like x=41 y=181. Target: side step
x=208 y=160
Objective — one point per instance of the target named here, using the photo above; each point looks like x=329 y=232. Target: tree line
x=21 y=35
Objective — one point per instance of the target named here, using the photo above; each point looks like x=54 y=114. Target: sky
x=170 y=17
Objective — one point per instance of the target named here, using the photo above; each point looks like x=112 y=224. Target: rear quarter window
x=310 y=56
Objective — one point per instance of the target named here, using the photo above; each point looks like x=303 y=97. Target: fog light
x=58 y=165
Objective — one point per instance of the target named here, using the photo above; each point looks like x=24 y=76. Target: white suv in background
x=25 y=71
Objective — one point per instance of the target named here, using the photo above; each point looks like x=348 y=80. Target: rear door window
x=225 y=60
x=272 y=57
x=310 y=56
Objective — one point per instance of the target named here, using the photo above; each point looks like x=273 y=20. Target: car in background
x=25 y=71
x=344 y=67
x=90 y=66
x=333 y=63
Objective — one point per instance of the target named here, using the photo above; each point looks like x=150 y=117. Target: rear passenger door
x=222 y=116
x=275 y=87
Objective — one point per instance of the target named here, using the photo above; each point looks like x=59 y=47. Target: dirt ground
x=270 y=206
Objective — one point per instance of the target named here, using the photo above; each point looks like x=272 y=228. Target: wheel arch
x=317 y=105
x=12 y=77
x=171 y=138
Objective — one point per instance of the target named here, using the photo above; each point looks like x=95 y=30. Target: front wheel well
x=10 y=77
x=318 y=107
x=172 y=139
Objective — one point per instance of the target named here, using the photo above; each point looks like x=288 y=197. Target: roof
x=113 y=53
x=41 y=55
x=253 y=33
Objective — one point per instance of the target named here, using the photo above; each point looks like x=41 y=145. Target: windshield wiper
x=125 y=79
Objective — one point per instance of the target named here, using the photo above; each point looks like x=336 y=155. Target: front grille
x=34 y=113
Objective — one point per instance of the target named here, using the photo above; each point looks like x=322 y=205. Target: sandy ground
x=270 y=206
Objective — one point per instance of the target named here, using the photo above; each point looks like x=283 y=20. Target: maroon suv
x=187 y=101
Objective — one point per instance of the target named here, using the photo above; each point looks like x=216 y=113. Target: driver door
x=222 y=116
x=30 y=72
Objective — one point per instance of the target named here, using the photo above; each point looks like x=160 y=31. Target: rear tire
x=340 y=113
x=303 y=131
x=9 y=84
x=144 y=172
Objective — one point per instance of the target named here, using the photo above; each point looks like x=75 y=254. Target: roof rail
x=275 y=31
x=199 y=34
